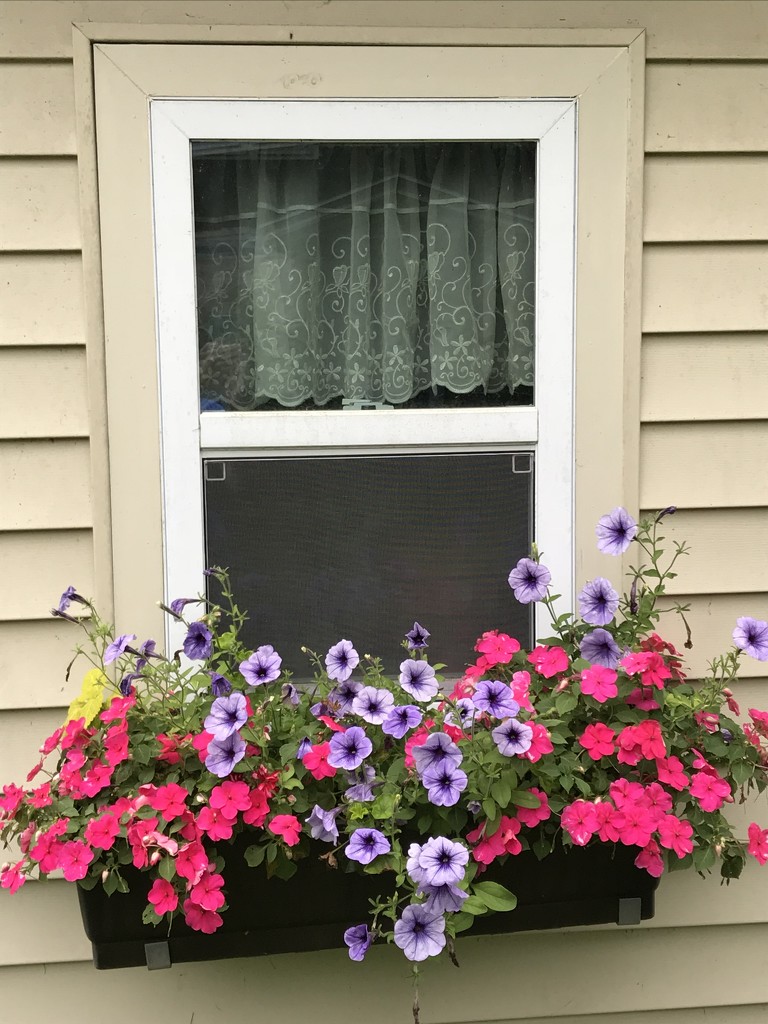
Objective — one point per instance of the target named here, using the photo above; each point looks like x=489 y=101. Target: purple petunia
x=349 y=749
x=220 y=685
x=342 y=696
x=289 y=695
x=126 y=683
x=400 y=720
x=465 y=711
x=529 y=581
x=361 y=784
x=418 y=679
x=437 y=749
x=304 y=748
x=444 y=784
x=359 y=941
x=512 y=737
x=198 y=643
x=223 y=755
x=117 y=647
x=70 y=595
x=366 y=844
x=372 y=704
x=146 y=651
x=615 y=532
x=177 y=607
x=495 y=698
x=442 y=899
x=322 y=824
x=751 y=636
x=228 y=714
x=262 y=667
x=598 y=602
x=417 y=637
x=442 y=861
x=599 y=648
x=420 y=932
x=341 y=660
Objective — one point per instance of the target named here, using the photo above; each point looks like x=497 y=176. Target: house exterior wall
x=703 y=444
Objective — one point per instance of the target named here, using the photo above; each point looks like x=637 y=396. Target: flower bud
x=5 y=866
x=291 y=798
x=200 y=798
x=718 y=849
x=155 y=858
x=104 y=875
x=562 y=685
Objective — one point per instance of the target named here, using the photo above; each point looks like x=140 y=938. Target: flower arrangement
x=594 y=736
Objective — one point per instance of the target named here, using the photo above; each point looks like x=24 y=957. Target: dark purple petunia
x=263 y=666
x=437 y=749
x=198 y=642
x=228 y=715
x=442 y=861
x=495 y=698
x=417 y=637
x=668 y=511
x=751 y=636
x=366 y=844
x=598 y=602
x=69 y=595
x=341 y=661
x=349 y=749
x=342 y=696
x=599 y=648
x=420 y=933
x=177 y=607
x=126 y=683
x=146 y=651
x=615 y=532
x=444 y=784
x=117 y=647
x=322 y=824
x=400 y=720
x=443 y=899
x=289 y=695
x=372 y=704
x=359 y=941
x=361 y=784
x=513 y=737
x=223 y=755
x=220 y=685
x=418 y=679
x=529 y=581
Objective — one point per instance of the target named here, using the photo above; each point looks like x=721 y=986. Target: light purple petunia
x=117 y=647
x=442 y=899
x=198 y=643
x=177 y=606
x=304 y=748
x=359 y=941
x=361 y=784
x=366 y=844
x=529 y=581
x=400 y=720
x=437 y=749
x=599 y=648
x=372 y=704
x=598 y=602
x=420 y=933
x=341 y=660
x=223 y=755
x=220 y=685
x=513 y=737
x=417 y=637
x=495 y=698
x=444 y=784
x=751 y=636
x=349 y=749
x=418 y=679
x=466 y=712
x=262 y=667
x=228 y=714
x=147 y=651
x=615 y=532
x=322 y=824
x=289 y=695
x=70 y=595
x=442 y=861
x=342 y=696
x=412 y=866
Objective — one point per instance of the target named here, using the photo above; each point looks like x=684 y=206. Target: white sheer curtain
x=371 y=272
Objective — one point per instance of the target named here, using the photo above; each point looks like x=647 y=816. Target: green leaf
x=167 y=868
x=501 y=791
x=489 y=808
x=110 y=883
x=384 y=805
x=254 y=855
x=523 y=798
x=565 y=702
x=494 y=896
x=460 y=922
x=284 y=868
x=150 y=917
x=474 y=905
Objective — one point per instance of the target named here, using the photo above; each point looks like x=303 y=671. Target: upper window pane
x=343 y=273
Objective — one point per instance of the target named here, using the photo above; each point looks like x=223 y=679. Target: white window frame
x=188 y=436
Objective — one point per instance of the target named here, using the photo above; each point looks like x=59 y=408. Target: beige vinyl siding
x=704 y=440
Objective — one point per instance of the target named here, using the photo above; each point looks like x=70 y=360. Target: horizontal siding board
x=712 y=620
x=704 y=465
x=706 y=198
x=694 y=108
x=716 y=377
x=45 y=485
x=33 y=662
x=705 y=288
x=38 y=566
x=21 y=734
x=37 y=112
x=44 y=392
x=41 y=299
x=40 y=208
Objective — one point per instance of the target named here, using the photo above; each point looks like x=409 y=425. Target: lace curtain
x=370 y=272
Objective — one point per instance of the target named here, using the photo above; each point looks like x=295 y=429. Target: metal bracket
x=357 y=405
x=630 y=911
x=158 y=955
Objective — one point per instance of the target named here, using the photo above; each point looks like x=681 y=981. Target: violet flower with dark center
x=322 y=824
x=341 y=661
x=117 y=647
x=529 y=581
x=400 y=720
x=198 y=642
x=615 y=532
x=289 y=695
x=598 y=602
x=418 y=679
x=220 y=685
x=443 y=899
x=372 y=704
x=228 y=715
x=668 y=511
x=70 y=595
x=436 y=750
x=412 y=866
x=751 y=636
x=223 y=755
x=417 y=637
x=262 y=667
x=366 y=844
x=420 y=933
x=444 y=784
x=304 y=748
x=361 y=785
x=442 y=861
x=495 y=698
x=145 y=652
x=349 y=749
x=341 y=696
x=599 y=648
x=177 y=607
x=512 y=737
x=359 y=941
x=126 y=683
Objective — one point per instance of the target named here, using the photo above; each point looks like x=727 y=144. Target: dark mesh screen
x=359 y=547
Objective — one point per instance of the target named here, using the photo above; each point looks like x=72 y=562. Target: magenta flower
x=341 y=660
x=529 y=581
x=598 y=602
x=418 y=679
x=420 y=933
x=366 y=844
x=751 y=636
x=262 y=667
x=615 y=532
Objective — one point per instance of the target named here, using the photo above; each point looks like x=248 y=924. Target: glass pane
x=334 y=274
x=322 y=549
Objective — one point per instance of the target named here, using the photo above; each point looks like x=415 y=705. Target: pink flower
x=710 y=791
x=136 y=833
x=286 y=825
x=116 y=743
x=40 y=797
x=118 y=707
x=760 y=719
x=34 y=771
x=75 y=734
x=74 y=859
x=758 y=842
x=50 y=744
x=12 y=877
x=599 y=682
x=675 y=834
x=671 y=772
x=207 y=893
x=98 y=777
x=580 y=821
x=488 y=848
x=650 y=859
x=540 y=743
x=191 y=862
x=259 y=809
x=598 y=741
x=200 y=743
x=641 y=698
x=169 y=747
x=707 y=720
x=101 y=832
x=169 y=800
x=637 y=826
x=610 y=820
x=548 y=661
x=11 y=800
x=625 y=792
x=214 y=824
x=498 y=648
x=229 y=798
x=651 y=666
x=201 y=920
x=531 y=816
x=630 y=751
x=520 y=684
x=699 y=761
x=731 y=701
x=163 y=897
x=657 y=800
x=316 y=761
x=651 y=739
